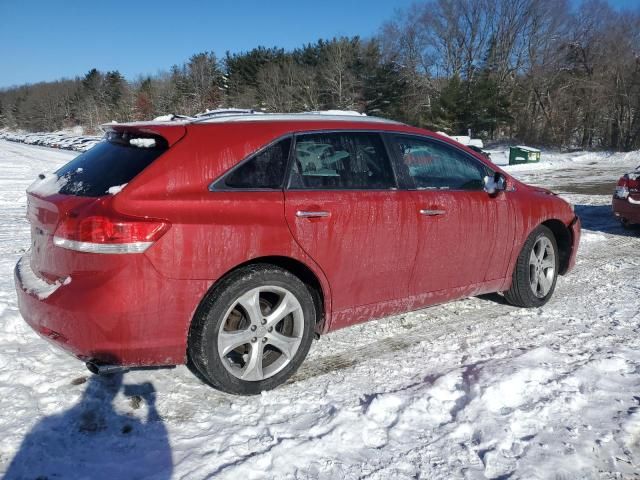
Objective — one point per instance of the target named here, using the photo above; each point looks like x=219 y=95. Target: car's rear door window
x=111 y=163
x=435 y=165
x=340 y=160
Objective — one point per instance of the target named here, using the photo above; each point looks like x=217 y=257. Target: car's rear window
x=109 y=165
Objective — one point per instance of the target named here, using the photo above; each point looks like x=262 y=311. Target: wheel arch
x=564 y=240
x=318 y=286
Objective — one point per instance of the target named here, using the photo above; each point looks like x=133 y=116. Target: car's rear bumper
x=135 y=317
x=624 y=210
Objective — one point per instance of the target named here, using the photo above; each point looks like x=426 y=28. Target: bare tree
x=337 y=75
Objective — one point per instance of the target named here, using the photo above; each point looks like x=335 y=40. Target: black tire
x=208 y=320
x=521 y=293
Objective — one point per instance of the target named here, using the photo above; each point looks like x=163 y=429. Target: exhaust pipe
x=100 y=369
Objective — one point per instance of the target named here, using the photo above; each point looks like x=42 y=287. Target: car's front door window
x=435 y=165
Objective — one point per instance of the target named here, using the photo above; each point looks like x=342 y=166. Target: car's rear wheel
x=536 y=270
x=253 y=330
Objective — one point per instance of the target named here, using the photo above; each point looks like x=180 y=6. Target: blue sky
x=46 y=40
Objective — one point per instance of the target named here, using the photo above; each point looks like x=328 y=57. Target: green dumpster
x=522 y=154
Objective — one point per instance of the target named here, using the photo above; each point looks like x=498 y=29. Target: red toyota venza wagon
x=230 y=242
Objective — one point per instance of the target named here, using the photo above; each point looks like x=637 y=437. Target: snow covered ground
x=473 y=389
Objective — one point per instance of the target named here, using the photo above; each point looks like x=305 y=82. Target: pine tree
x=383 y=85
x=450 y=109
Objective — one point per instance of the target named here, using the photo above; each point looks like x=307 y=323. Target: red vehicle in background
x=626 y=199
x=231 y=242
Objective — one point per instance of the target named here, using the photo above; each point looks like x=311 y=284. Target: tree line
x=543 y=72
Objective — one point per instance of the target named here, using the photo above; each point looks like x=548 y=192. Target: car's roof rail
x=305 y=116
x=241 y=115
x=226 y=111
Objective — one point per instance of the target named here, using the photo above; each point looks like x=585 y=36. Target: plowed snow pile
x=473 y=389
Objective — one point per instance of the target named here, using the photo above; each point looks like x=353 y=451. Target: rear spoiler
x=170 y=132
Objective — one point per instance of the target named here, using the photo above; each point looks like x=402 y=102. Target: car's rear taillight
x=108 y=234
x=622 y=189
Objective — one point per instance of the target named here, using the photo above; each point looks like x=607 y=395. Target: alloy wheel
x=261 y=333
x=542 y=267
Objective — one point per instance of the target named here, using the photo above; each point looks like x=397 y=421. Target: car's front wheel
x=253 y=331
x=536 y=270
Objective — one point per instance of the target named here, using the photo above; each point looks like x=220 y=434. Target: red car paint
x=626 y=199
x=373 y=256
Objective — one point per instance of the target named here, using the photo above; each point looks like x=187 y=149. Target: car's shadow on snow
x=93 y=440
x=494 y=297
x=599 y=218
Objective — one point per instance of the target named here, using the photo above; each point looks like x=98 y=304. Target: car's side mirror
x=494 y=184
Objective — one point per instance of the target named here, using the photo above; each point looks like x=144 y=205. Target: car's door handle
x=308 y=214
x=432 y=213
